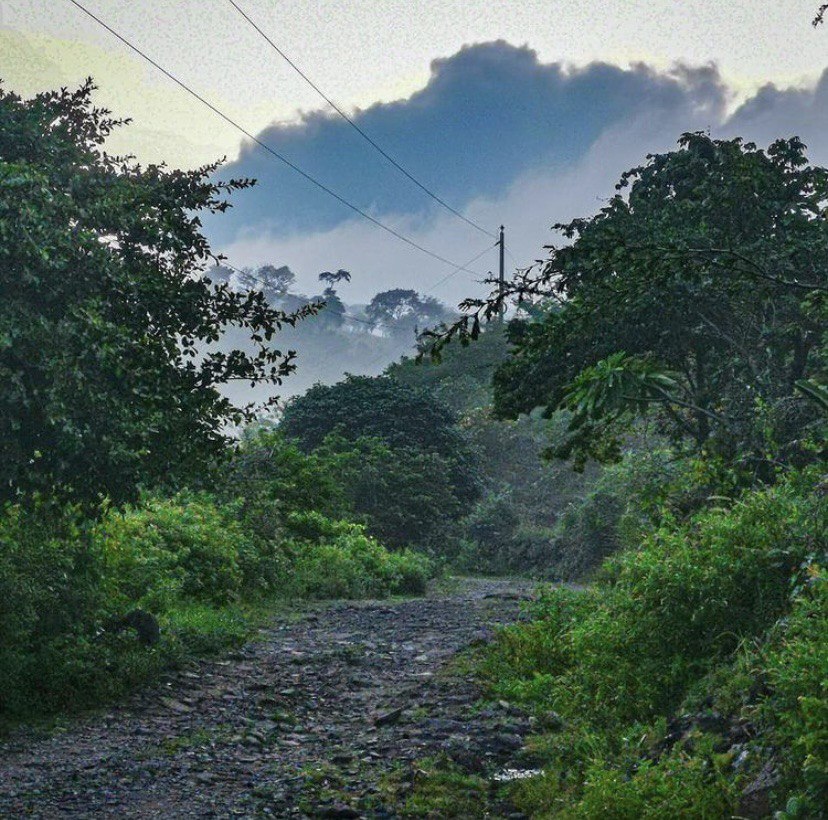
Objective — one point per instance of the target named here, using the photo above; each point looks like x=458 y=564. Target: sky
x=516 y=113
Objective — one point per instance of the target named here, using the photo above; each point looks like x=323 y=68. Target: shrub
x=796 y=665
x=51 y=598
x=678 y=785
x=268 y=478
x=184 y=546
x=707 y=584
x=628 y=501
x=347 y=563
x=670 y=620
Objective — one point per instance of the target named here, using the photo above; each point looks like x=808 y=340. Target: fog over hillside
x=503 y=136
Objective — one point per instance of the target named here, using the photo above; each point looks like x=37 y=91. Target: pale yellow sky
x=361 y=51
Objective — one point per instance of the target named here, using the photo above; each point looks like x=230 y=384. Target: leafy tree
x=462 y=378
x=332 y=279
x=698 y=292
x=272 y=479
x=109 y=373
x=332 y=315
x=401 y=312
x=385 y=409
x=405 y=496
x=274 y=282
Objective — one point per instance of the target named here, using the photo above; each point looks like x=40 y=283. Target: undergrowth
x=695 y=662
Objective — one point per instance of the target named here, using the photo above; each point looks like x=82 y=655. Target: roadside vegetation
x=690 y=678
x=136 y=530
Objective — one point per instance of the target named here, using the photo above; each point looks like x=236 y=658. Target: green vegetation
x=690 y=623
x=407 y=467
x=673 y=351
x=135 y=531
x=689 y=680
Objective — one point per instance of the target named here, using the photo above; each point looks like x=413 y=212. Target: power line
x=356 y=126
x=356 y=209
x=459 y=268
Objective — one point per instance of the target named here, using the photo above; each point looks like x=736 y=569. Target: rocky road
x=304 y=721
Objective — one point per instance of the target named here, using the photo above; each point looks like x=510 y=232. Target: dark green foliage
x=107 y=373
x=404 y=464
x=700 y=295
x=271 y=477
x=376 y=407
x=405 y=496
x=626 y=501
x=66 y=582
x=508 y=530
x=462 y=378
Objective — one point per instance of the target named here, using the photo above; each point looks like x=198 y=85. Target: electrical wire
x=356 y=209
x=459 y=268
x=355 y=125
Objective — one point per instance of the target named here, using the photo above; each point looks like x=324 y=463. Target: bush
x=52 y=596
x=347 y=563
x=268 y=478
x=709 y=583
x=795 y=661
x=664 y=624
x=497 y=541
x=65 y=579
x=628 y=500
x=164 y=548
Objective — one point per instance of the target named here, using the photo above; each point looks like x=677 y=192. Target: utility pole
x=501 y=281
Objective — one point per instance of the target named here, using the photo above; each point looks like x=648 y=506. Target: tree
x=401 y=312
x=274 y=282
x=697 y=294
x=384 y=409
x=334 y=278
x=109 y=371
x=405 y=496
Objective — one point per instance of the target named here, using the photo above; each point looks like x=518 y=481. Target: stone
x=755 y=801
x=388 y=718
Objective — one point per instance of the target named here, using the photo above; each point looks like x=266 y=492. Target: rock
x=550 y=721
x=507 y=742
x=755 y=801
x=710 y=722
x=144 y=624
x=388 y=718
x=337 y=810
x=176 y=705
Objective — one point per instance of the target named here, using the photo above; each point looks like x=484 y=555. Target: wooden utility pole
x=501 y=281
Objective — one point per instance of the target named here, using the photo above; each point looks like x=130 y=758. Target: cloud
x=500 y=135
x=488 y=114
x=786 y=112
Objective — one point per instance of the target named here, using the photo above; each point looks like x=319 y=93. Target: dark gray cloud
x=489 y=113
x=786 y=112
